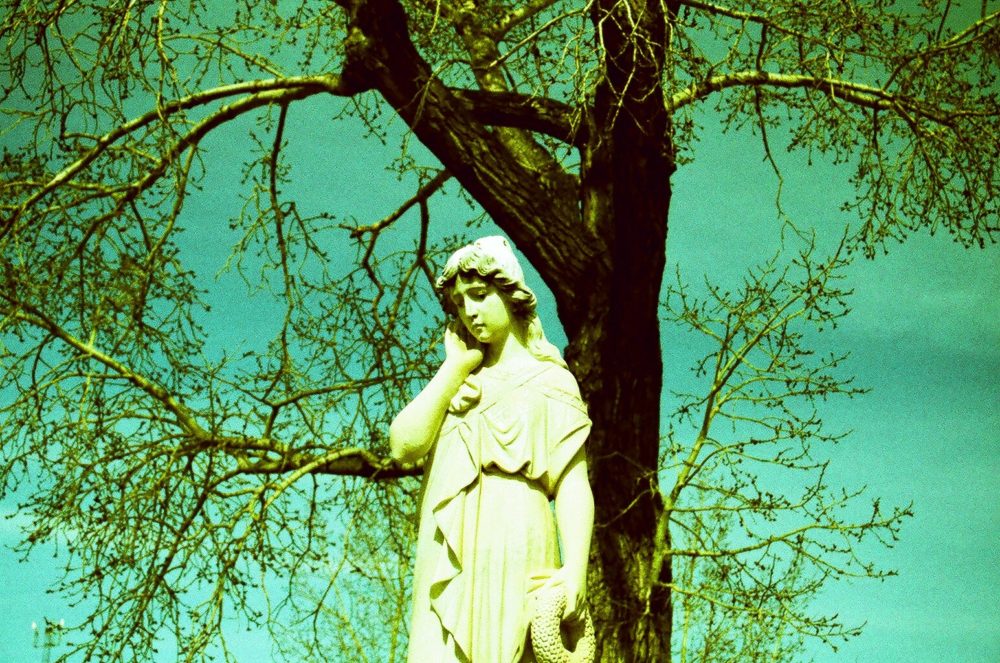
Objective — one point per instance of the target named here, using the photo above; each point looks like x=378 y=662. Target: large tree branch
x=520 y=111
x=352 y=461
x=535 y=204
x=253 y=455
x=487 y=65
x=183 y=416
x=867 y=96
x=259 y=93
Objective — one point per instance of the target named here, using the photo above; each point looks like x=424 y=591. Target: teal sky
x=924 y=335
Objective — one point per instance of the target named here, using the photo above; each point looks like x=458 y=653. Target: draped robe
x=486 y=522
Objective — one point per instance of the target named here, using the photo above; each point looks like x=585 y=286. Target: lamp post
x=48 y=638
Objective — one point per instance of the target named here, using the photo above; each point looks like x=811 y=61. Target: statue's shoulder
x=559 y=380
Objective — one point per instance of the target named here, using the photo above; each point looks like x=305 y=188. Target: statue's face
x=482 y=309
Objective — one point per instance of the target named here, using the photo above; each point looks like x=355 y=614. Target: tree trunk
x=615 y=350
x=615 y=355
x=621 y=382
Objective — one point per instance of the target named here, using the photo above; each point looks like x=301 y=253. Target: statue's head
x=492 y=260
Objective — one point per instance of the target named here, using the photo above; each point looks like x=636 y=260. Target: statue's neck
x=511 y=351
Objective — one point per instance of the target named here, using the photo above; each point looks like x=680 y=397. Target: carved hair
x=492 y=260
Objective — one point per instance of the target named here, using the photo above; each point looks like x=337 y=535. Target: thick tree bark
x=616 y=352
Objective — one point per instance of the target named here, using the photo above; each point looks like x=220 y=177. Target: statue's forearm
x=575 y=518
x=415 y=428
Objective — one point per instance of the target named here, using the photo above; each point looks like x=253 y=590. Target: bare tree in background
x=183 y=482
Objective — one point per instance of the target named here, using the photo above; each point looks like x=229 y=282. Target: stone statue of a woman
x=503 y=426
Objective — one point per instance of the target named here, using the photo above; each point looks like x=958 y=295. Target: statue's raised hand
x=461 y=349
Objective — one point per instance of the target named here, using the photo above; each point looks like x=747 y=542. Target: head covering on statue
x=493 y=260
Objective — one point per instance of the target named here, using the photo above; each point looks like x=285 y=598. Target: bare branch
x=867 y=96
x=184 y=417
x=261 y=93
x=354 y=462
x=519 y=15
x=425 y=192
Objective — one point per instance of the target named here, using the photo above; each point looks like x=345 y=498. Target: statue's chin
x=488 y=335
x=482 y=335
